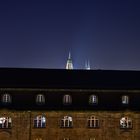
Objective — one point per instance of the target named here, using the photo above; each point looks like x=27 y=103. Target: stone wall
x=23 y=129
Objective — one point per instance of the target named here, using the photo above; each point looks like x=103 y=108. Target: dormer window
x=67 y=99
x=40 y=99
x=93 y=99
x=125 y=99
x=6 y=98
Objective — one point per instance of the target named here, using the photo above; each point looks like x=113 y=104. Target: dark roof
x=61 y=78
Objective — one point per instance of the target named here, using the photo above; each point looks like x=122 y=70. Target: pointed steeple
x=87 y=65
x=69 y=56
x=69 y=64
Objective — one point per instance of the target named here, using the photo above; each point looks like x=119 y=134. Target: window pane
x=96 y=123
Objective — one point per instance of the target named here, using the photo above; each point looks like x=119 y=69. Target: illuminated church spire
x=69 y=64
x=87 y=65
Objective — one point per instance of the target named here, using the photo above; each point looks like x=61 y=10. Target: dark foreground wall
x=111 y=116
x=109 y=110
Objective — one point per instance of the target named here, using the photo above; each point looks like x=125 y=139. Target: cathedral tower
x=87 y=65
x=69 y=64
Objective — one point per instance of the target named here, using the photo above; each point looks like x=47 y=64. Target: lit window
x=93 y=99
x=40 y=122
x=66 y=122
x=40 y=99
x=6 y=98
x=5 y=122
x=125 y=99
x=125 y=122
x=93 y=122
x=67 y=99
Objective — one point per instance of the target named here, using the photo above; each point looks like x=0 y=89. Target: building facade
x=39 y=104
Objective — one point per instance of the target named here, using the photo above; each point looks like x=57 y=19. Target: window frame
x=93 y=122
x=126 y=123
x=5 y=122
x=66 y=122
x=38 y=121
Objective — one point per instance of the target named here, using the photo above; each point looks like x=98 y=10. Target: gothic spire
x=69 y=64
x=87 y=65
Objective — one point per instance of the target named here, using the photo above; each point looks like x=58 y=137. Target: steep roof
x=61 y=78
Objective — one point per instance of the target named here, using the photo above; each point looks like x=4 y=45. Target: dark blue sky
x=40 y=34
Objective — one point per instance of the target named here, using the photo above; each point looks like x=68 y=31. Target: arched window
x=5 y=122
x=67 y=122
x=67 y=99
x=93 y=122
x=40 y=99
x=6 y=98
x=40 y=121
x=93 y=99
x=125 y=99
x=125 y=122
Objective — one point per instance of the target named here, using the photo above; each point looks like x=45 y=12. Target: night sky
x=40 y=33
